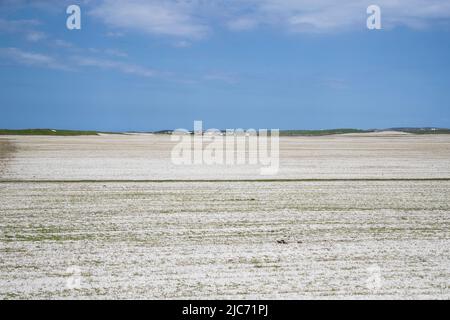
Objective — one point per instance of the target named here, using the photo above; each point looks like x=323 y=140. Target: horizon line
x=375 y=129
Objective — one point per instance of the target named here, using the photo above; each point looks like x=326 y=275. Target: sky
x=276 y=64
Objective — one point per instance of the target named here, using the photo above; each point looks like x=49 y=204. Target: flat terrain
x=365 y=216
x=147 y=157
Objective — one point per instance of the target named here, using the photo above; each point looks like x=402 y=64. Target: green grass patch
x=48 y=132
x=424 y=130
x=320 y=132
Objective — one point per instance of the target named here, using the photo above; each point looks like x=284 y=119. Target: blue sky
x=287 y=64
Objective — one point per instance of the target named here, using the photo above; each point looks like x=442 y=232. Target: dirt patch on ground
x=7 y=150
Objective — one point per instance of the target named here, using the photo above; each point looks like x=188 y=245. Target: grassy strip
x=320 y=132
x=424 y=130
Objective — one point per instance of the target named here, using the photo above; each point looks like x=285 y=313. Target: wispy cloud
x=63 y=44
x=72 y=63
x=332 y=16
x=184 y=21
x=51 y=6
x=181 y=44
x=35 y=36
x=113 y=34
x=195 y=18
x=27 y=28
x=116 y=53
x=18 y=25
x=170 y=18
x=32 y=59
x=109 y=52
x=114 y=65
x=242 y=23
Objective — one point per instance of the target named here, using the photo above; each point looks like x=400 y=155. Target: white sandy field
x=105 y=217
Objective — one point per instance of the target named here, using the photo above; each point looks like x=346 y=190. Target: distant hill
x=342 y=131
x=320 y=132
x=422 y=130
x=428 y=130
x=53 y=132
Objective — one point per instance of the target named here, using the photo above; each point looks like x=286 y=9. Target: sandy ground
x=298 y=239
x=147 y=157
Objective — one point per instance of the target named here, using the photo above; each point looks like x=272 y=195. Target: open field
x=358 y=208
x=147 y=157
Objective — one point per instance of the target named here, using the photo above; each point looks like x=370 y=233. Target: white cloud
x=181 y=44
x=35 y=36
x=114 y=65
x=331 y=16
x=242 y=23
x=116 y=53
x=170 y=18
x=14 y=26
x=27 y=28
x=72 y=63
x=195 y=18
x=32 y=59
x=113 y=34
x=188 y=20
x=63 y=44
x=50 y=6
